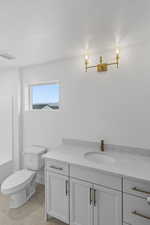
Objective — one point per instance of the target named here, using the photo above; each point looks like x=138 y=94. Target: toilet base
x=20 y=198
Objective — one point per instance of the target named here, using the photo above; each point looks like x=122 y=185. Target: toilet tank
x=33 y=157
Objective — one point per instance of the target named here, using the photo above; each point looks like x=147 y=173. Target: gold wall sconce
x=102 y=66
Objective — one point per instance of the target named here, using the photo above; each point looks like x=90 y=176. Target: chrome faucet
x=102 y=146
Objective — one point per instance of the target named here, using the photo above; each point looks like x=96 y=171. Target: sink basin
x=99 y=157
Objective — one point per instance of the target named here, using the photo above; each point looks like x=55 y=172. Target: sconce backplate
x=102 y=67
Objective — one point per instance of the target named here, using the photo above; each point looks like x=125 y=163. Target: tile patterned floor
x=31 y=213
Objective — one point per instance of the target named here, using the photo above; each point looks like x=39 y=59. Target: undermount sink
x=99 y=157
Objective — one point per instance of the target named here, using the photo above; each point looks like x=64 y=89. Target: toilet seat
x=17 y=181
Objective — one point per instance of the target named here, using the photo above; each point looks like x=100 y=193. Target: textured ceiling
x=35 y=31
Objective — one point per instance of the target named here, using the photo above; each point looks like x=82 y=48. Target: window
x=45 y=96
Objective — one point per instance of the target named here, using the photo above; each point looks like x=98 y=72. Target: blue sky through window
x=46 y=93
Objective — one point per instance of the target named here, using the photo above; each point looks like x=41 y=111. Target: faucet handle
x=102 y=145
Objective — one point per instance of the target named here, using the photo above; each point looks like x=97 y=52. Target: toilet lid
x=36 y=150
x=16 y=180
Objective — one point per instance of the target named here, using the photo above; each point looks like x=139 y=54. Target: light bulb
x=86 y=57
x=117 y=51
x=86 y=62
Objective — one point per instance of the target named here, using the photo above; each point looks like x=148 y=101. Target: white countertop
x=126 y=164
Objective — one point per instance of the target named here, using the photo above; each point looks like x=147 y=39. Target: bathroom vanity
x=80 y=191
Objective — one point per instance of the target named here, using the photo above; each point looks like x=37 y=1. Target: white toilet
x=20 y=186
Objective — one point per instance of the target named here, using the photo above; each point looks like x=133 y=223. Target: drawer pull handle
x=141 y=215
x=94 y=197
x=56 y=168
x=91 y=190
x=66 y=182
x=141 y=191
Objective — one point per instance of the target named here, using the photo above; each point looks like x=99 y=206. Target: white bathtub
x=6 y=168
x=7 y=136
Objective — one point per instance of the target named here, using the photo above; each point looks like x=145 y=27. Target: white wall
x=113 y=105
x=10 y=90
x=6 y=129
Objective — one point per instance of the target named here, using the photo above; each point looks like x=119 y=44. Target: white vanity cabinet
x=81 y=207
x=77 y=196
x=136 y=208
x=107 y=206
x=92 y=204
x=82 y=195
x=57 y=190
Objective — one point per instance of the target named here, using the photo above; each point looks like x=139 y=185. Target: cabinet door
x=57 y=196
x=81 y=207
x=107 y=206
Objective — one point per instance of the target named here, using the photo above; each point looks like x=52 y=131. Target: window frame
x=38 y=84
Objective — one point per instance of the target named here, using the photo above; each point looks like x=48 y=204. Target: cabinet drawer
x=57 y=167
x=136 y=187
x=96 y=177
x=136 y=211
